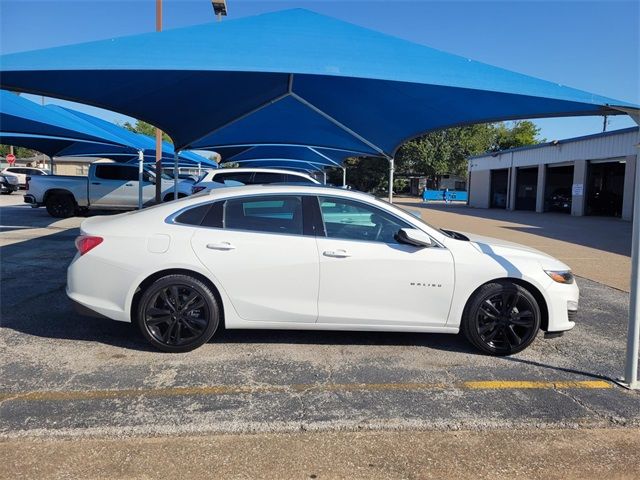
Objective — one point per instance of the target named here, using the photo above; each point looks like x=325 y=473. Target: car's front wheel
x=178 y=313
x=501 y=318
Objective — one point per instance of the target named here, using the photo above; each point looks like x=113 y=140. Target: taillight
x=195 y=190
x=86 y=243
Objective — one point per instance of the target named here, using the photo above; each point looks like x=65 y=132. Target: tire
x=167 y=318
x=61 y=205
x=501 y=318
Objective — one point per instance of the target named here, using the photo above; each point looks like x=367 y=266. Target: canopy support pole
x=140 y=177
x=344 y=176
x=630 y=379
x=324 y=176
x=199 y=169
x=391 y=180
x=175 y=174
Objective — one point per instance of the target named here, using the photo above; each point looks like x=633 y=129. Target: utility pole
x=158 y=131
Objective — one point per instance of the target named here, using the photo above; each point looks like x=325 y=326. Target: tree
x=19 y=152
x=442 y=152
x=145 y=128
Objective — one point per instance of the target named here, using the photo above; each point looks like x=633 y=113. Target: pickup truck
x=109 y=186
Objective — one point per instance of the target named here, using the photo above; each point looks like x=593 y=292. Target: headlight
x=560 y=276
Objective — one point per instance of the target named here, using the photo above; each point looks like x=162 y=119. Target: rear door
x=114 y=185
x=264 y=255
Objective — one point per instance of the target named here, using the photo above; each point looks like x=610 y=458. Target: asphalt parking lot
x=69 y=376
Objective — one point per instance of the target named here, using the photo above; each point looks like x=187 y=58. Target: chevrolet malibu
x=312 y=258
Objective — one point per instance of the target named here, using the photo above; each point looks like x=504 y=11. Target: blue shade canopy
x=318 y=156
x=138 y=141
x=293 y=77
x=24 y=123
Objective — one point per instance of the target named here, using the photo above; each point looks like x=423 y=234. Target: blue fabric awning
x=291 y=77
x=317 y=156
x=138 y=141
x=24 y=123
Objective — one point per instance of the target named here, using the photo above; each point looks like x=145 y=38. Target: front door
x=114 y=185
x=262 y=258
x=368 y=278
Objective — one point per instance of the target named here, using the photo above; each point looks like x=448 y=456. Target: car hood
x=504 y=248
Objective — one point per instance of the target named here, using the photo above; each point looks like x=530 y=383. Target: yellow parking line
x=79 y=395
x=520 y=385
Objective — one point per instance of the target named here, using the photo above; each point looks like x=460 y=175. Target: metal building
x=590 y=175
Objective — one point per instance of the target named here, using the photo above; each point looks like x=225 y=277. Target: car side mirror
x=415 y=237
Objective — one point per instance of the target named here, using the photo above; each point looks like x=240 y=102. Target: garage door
x=557 y=190
x=499 y=181
x=526 y=188
x=605 y=187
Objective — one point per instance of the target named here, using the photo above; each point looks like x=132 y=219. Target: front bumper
x=562 y=306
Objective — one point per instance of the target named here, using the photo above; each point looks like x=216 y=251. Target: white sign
x=577 y=189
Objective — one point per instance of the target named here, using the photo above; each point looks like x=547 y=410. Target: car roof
x=261 y=170
x=287 y=188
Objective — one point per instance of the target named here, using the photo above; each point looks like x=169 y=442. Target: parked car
x=8 y=183
x=109 y=186
x=561 y=200
x=232 y=177
x=312 y=258
x=23 y=172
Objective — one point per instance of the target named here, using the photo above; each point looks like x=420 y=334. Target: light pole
x=219 y=8
x=158 y=131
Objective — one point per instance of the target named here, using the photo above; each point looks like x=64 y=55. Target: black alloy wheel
x=178 y=313
x=61 y=206
x=501 y=318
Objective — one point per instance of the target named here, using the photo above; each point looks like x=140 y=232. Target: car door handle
x=337 y=253
x=96 y=183
x=220 y=246
x=128 y=184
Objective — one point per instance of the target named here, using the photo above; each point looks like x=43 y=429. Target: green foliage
x=439 y=153
x=19 y=152
x=145 y=128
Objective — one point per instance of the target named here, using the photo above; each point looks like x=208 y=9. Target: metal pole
x=391 y=180
x=324 y=175
x=344 y=176
x=633 y=330
x=199 y=169
x=140 y=177
x=175 y=174
x=158 y=131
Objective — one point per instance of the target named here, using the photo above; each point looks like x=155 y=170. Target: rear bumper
x=31 y=200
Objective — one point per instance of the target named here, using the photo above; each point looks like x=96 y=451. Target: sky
x=590 y=45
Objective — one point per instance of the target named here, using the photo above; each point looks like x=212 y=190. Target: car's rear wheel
x=178 y=313
x=60 y=205
x=501 y=318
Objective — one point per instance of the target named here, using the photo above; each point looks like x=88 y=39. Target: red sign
x=11 y=158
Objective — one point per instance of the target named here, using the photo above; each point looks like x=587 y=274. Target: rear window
x=240 y=177
x=207 y=215
x=273 y=214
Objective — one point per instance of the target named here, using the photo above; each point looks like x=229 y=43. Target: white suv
x=23 y=172
x=229 y=177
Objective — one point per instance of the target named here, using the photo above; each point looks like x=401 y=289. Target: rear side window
x=269 y=177
x=207 y=215
x=270 y=214
x=117 y=172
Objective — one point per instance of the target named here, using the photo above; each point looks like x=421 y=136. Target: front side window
x=270 y=214
x=351 y=220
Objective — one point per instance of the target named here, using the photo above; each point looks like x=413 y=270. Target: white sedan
x=312 y=257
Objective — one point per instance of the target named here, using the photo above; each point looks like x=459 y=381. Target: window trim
x=171 y=219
